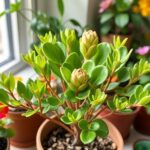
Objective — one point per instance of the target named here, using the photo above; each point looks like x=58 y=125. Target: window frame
x=21 y=40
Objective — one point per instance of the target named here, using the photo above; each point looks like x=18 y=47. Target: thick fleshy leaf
x=4 y=98
x=54 y=53
x=123 y=74
x=66 y=73
x=88 y=66
x=53 y=101
x=102 y=53
x=144 y=101
x=99 y=75
x=29 y=113
x=83 y=124
x=103 y=128
x=84 y=94
x=87 y=136
x=73 y=61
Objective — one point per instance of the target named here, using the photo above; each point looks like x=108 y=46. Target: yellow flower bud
x=79 y=79
x=88 y=43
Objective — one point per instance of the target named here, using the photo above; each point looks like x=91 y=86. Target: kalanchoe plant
x=93 y=77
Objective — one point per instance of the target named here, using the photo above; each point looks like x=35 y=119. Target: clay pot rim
x=15 y=112
x=142 y=139
x=110 y=125
x=124 y=114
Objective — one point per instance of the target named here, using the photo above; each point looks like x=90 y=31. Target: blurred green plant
x=123 y=16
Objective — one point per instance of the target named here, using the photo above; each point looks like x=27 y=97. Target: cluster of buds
x=79 y=79
x=88 y=43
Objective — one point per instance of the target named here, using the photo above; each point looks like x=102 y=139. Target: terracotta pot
x=122 y=121
x=48 y=126
x=25 y=129
x=109 y=38
x=142 y=122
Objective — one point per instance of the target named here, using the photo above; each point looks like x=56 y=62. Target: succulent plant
x=93 y=76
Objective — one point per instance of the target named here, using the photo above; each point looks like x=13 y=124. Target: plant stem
x=39 y=101
x=23 y=16
x=56 y=121
x=51 y=90
x=98 y=113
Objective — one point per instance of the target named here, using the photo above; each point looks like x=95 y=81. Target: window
x=14 y=38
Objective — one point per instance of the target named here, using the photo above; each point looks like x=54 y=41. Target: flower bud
x=79 y=79
x=88 y=43
x=67 y=35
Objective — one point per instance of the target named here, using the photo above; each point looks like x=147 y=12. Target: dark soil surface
x=60 y=139
x=3 y=144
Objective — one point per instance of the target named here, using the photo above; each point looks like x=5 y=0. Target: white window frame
x=22 y=39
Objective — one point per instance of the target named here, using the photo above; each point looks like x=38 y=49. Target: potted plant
x=5 y=133
x=20 y=124
x=141 y=122
x=126 y=18
x=85 y=69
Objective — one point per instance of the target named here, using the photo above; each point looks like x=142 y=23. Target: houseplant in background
x=127 y=18
x=42 y=23
x=142 y=120
x=21 y=125
x=85 y=69
x=5 y=133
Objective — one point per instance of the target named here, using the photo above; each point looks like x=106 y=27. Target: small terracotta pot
x=48 y=126
x=142 y=122
x=109 y=38
x=122 y=121
x=25 y=129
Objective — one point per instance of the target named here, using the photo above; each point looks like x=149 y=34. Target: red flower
x=3 y=110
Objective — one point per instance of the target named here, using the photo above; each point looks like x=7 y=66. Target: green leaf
x=144 y=101
x=60 y=5
x=29 y=113
x=14 y=103
x=53 y=101
x=65 y=120
x=84 y=94
x=75 y=22
x=121 y=20
x=54 y=53
x=66 y=73
x=103 y=128
x=55 y=69
x=73 y=61
x=105 y=28
x=113 y=85
x=4 y=98
x=88 y=66
x=87 y=136
x=123 y=74
x=83 y=124
x=6 y=132
x=77 y=114
x=123 y=5
x=106 y=16
x=99 y=75
x=102 y=52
